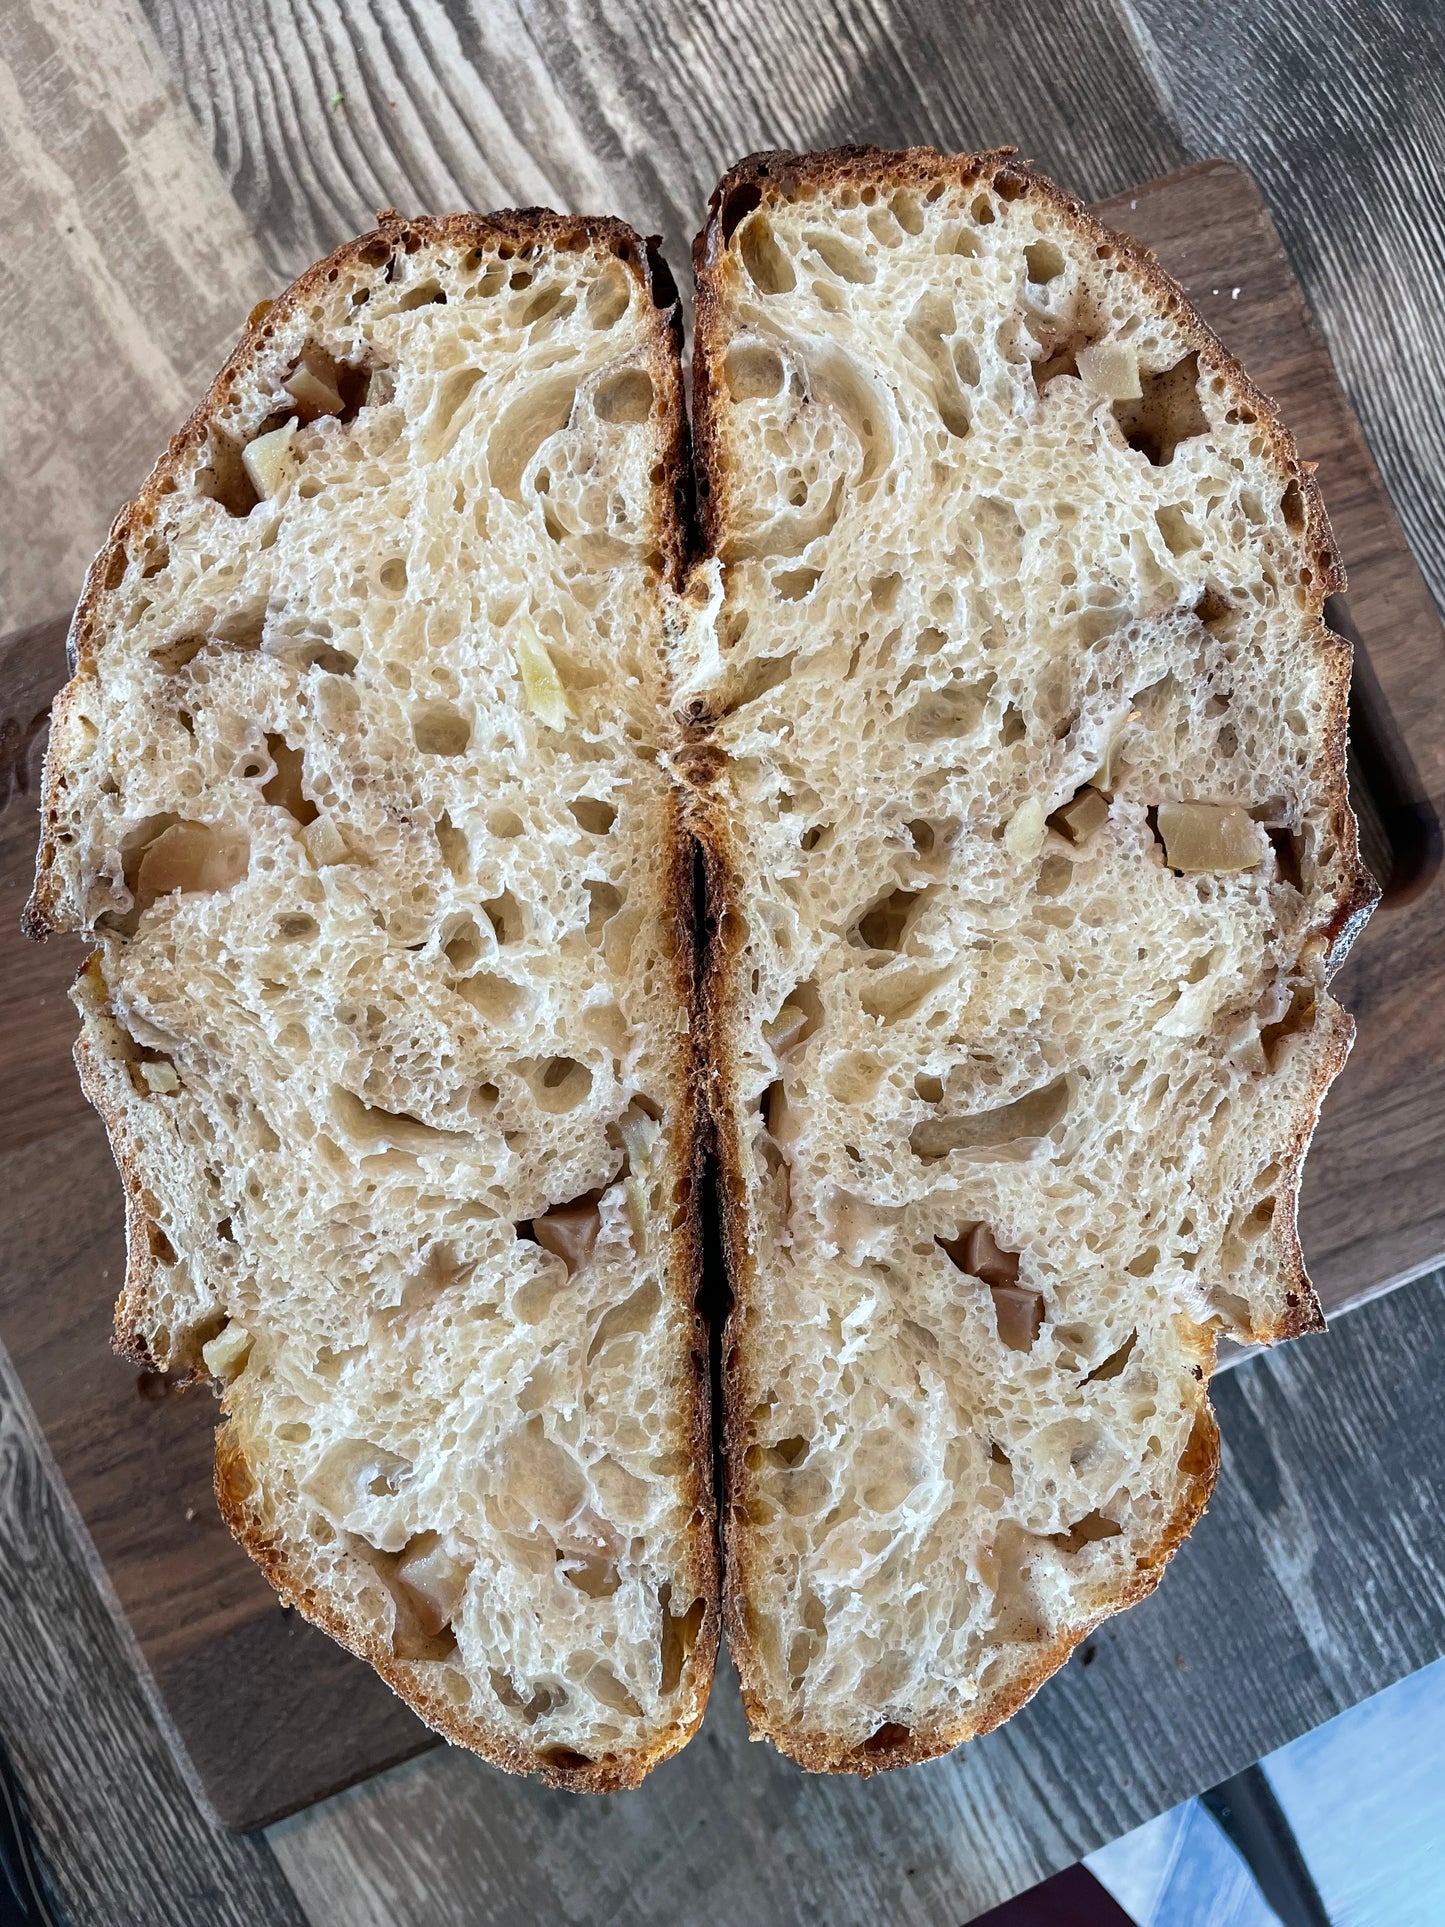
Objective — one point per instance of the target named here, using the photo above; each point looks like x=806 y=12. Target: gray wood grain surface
x=633 y=108
x=1312 y=1582
x=1338 y=109
x=119 y=1834
x=128 y=274
x=138 y=237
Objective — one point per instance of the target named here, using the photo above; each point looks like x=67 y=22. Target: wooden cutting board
x=267 y=1714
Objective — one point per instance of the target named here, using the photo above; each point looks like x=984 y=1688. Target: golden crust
x=234 y=1484
x=745 y=186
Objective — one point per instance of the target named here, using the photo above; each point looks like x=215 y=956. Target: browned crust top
x=774 y=175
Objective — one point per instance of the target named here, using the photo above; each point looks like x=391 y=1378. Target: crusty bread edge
x=524 y=227
x=531 y=227
x=700 y=764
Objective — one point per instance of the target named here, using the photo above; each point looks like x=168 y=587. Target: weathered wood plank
x=1317 y=1577
x=120 y=1834
x=1338 y=109
x=128 y=273
x=318 y=115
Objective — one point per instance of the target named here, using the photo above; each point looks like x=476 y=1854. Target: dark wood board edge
x=105 y=1789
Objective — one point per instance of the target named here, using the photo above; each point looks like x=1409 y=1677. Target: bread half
x=1017 y=746
x=357 y=788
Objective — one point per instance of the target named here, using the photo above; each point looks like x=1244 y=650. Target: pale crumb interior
x=361 y=799
x=1019 y=1090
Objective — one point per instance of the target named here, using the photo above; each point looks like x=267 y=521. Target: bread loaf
x=357 y=789
x=1017 y=747
x=999 y=706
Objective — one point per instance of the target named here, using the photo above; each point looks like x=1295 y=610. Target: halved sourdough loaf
x=1017 y=748
x=357 y=788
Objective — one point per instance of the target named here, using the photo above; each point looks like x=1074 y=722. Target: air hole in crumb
x=607 y=299
x=463 y=948
x=594 y=816
x=841 y=257
x=440 y=729
x=679 y=1634
x=1114 y=1364
x=505 y=824
x=954 y=710
x=160 y=1245
x=1211 y=608
x=173 y=656
x=604 y=900
x=1045 y=261
x=1056 y=873
x=1292 y=505
x=456 y=850
x=1167 y=412
x=767 y=673
x=284 y=789
x=769 y=268
x=625 y=397
x=321 y=655
x=1179 y=533
x=928 y=1087
x=1287 y=856
x=295 y=926
x=496 y=999
x=929 y=327
x=1299 y=1017
x=884 y=926
x=504 y=914
x=1086 y=1532
x=798 y=1018
x=794 y=585
x=889 y=1737
x=569 y=1231
x=738 y=205
x=426 y=294
x=560 y=1084
x=224 y=479
x=164 y=854
x=1027 y=1118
